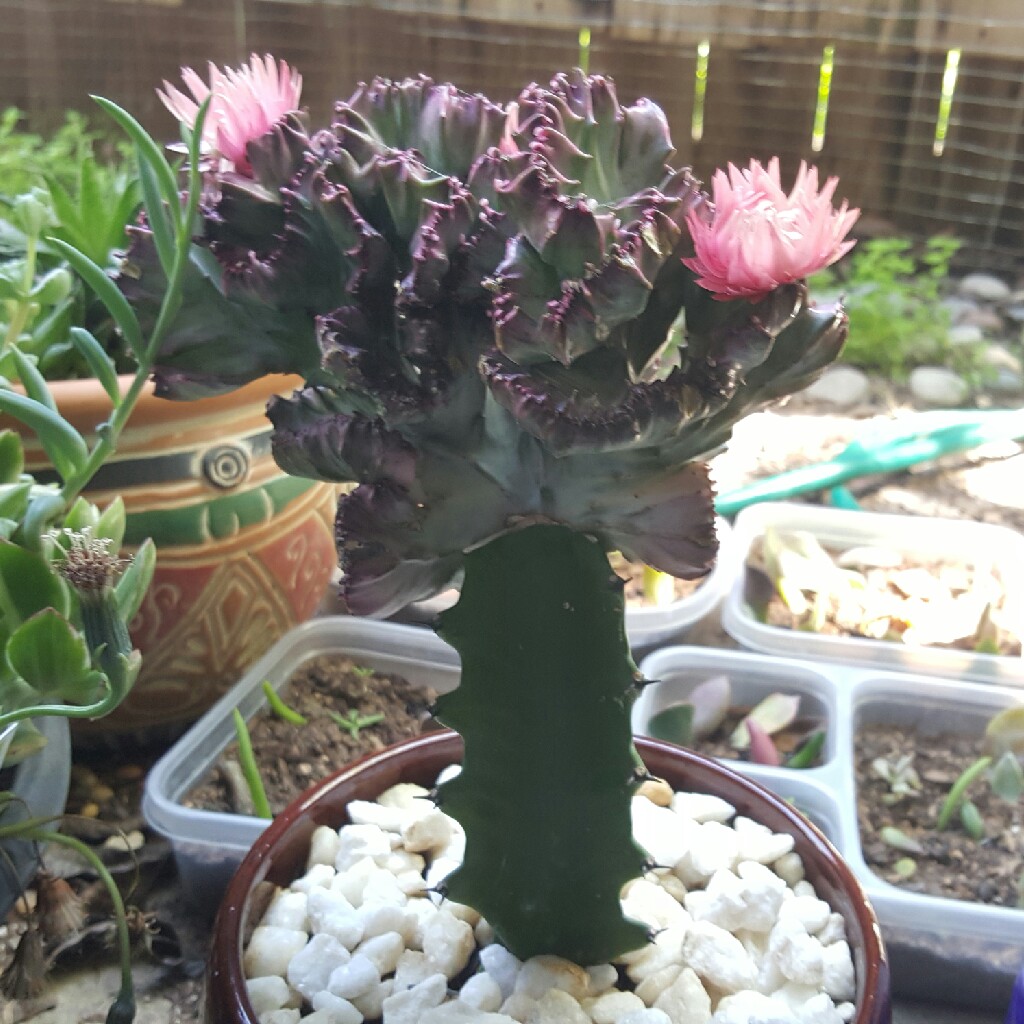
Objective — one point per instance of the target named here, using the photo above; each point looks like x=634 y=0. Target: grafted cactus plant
x=484 y=301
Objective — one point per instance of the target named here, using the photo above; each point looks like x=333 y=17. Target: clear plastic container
x=209 y=845
x=40 y=786
x=981 y=544
x=943 y=950
x=646 y=626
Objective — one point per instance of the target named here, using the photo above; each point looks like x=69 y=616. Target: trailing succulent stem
x=550 y=769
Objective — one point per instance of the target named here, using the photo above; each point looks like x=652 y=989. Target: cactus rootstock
x=549 y=770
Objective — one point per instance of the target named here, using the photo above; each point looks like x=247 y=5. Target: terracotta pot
x=279 y=856
x=244 y=552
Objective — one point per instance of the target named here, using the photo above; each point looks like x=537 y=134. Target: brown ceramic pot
x=279 y=856
x=244 y=551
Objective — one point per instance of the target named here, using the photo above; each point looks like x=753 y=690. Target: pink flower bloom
x=246 y=104
x=759 y=238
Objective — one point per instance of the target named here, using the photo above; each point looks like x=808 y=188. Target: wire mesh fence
x=917 y=104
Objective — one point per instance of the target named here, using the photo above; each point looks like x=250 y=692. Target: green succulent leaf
x=112 y=522
x=83 y=515
x=28 y=585
x=1006 y=777
x=131 y=587
x=32 y=381
x=101 y=365
x=12 y=457
x=14 y=499
x=26 y=741
x=53 y=658
x=61 y=442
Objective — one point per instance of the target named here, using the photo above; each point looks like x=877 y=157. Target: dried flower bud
x=88 y=564
x=59 y=908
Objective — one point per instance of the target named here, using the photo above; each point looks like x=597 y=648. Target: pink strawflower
x=246 y=104
x=759 y=238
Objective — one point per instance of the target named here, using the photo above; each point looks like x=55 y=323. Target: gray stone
x=959 y=308
x=984 y=317
x=1006 y=369
x=986 y=287
x=936 y=385
x=840 y=386
x=965 y=334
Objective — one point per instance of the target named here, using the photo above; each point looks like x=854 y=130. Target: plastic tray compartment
x=209 y=845
x=646 y=626
x=942 y=950
x=982 y=544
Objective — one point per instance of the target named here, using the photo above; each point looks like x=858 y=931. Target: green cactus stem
x=550 y=769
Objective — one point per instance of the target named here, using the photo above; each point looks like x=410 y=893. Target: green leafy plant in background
x=65 y=599
x=893 y=298
x=58 y=189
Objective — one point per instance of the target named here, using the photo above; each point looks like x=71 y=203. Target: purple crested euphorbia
x=485 y=301
x=508 y=348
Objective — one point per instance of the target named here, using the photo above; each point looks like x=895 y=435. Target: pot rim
x=226 y=976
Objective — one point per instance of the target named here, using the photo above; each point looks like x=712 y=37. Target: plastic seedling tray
x=942 y=950
x=646 y=626
x=982 y=544
x=209 y=845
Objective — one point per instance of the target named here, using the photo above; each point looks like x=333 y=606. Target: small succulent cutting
x=480 y=297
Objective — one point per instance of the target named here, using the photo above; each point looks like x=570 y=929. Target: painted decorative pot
x=244 y=552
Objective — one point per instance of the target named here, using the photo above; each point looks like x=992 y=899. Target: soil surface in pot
x=291 y=758
x=947 y=604
x=787 y=741
x=952 y=864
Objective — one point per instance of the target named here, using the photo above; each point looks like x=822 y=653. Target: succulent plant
x=485 y=302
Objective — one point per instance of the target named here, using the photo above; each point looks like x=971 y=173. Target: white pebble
x=685 y=999
x=267 y=993
x=318 y=876
x=790 y=868
x=540 y=974
x=383 y=951
x=811 y=912
x=661 y=832
x=371 y=1004
x=370 y=812
x=323 y=847
x=310 y=969
x=714 y=848
x=649 y=1016
x=406 y=796
x=448 y=943
x=288 y=1016
x=429 y=833
x=799 y=955
x=357 y=842
x=270 y=949
x=332 y=914
x=484 y=933
x=819 y=1009
x=834 y=930
x=666 y=949
x=600 y=978
x=481 y=992
x=837 y=977
x=558 y=1007
x=749 y=1007
x=344 y=1012
x=413 y=967
x=408 y=1006
x=846 y=1011
x=460 y=1013
x=518 y=1006
x=287 y=910
x=502 y=966
x=378 y=918
x=701 y=807
x=355 y=978
x=656 y=984
x=760 y=843
x=718 y=957
x=608 y=1008
x=649 y=903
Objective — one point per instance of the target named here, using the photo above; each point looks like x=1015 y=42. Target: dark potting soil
x=291 y=758
x=953 y=864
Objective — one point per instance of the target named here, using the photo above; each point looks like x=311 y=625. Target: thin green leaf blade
x=157 y=215
x=32 y=380
x=149 y=151
x=116 y=303
x=101 y=365
x=61 y=442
